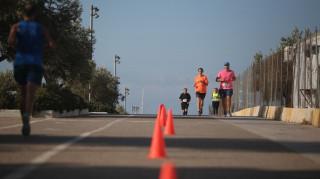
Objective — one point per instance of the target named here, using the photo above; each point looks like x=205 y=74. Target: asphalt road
x=116 y=147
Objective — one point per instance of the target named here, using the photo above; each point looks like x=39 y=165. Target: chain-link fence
x=286 y=78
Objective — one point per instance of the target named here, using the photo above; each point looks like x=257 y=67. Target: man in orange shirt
x=201 y=83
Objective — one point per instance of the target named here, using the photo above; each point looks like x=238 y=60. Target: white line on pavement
x=25 y=170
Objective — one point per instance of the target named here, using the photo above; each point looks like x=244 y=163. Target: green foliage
x=99 y=107
x=105 y=87
x=120 y=109
x=49 y=97
x=57 y=98
x=295 y=37
x=8 y=94
x=71 y=59
x=257 y=57
x=104 y=91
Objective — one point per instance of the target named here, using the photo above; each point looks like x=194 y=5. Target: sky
x=163 y=43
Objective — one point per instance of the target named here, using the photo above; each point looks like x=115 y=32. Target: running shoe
x=26 y=125
x=229 y=114
x=224 y=114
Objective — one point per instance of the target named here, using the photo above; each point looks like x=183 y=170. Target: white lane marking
x=140 y=121
x=25 y=170
x=19 y=125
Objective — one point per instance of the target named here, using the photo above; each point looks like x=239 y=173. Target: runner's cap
x=226 y=63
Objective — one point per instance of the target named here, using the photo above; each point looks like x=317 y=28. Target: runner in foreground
x=26 y=38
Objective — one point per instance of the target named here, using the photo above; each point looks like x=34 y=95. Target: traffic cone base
x=157 y=148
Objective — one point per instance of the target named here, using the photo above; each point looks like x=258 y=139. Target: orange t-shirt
x=200 y=87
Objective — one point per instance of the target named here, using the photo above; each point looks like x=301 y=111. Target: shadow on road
x=62 y=170
x=258 y=145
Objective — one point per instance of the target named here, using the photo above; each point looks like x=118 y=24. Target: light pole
x=126 y=92
x=116 y=60
x=93 y=12
x=134 y=109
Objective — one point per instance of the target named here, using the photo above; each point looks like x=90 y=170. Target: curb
x=305 y=116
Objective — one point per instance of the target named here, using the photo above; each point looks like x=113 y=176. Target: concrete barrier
x=301 y=116
x=286 y=114
x=306 y=116
x=256 y=111
x=65 y=113
x=273 y=112
x=316 y=117
x=10 y=113
x=265 y=111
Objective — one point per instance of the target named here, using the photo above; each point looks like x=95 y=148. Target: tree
x=306 y=32
x=71 y=60
x=8 y=92
x=104 y=90
x=257 y=57
x=295 y=37
x=105 y=87
x=120 y=109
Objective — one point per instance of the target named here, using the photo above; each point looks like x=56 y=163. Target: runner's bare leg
x=30 y=97
x=228 y=103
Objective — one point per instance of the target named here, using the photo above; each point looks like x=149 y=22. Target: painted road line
x=25 y=170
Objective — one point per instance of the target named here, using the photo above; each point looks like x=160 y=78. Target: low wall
x=46 y=113
x=10 y=113
x=56 y=114
x=295 y=115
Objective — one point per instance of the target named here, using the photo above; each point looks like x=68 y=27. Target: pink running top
x=227 y=84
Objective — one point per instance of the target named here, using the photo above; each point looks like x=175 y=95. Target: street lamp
x=126 y=92
x=134 y=109
x=94 y=14
x=116 y=60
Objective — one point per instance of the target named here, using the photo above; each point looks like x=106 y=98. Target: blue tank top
x=29 y=44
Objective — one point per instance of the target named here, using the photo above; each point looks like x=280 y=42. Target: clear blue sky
x=163 y=43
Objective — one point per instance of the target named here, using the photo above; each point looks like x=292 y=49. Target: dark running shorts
x=225 y=92
x=184 y=106
x=28 y=73
x=201 y=95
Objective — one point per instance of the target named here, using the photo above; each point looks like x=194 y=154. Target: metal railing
x=286 y=78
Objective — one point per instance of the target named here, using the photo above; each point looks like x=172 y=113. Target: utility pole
x=141 y=112
x=126 y=92
x=116 y=60
x=93 y=12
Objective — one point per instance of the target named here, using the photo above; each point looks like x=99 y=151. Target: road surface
x=116 y=147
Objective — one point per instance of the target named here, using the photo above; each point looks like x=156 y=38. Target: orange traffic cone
x=163 y=117
x=157 y=148
x=159 y=112
x=169 y=125
x=168 y=171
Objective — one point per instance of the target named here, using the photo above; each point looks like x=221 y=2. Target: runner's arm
x=13 y=35
x=220 y=79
